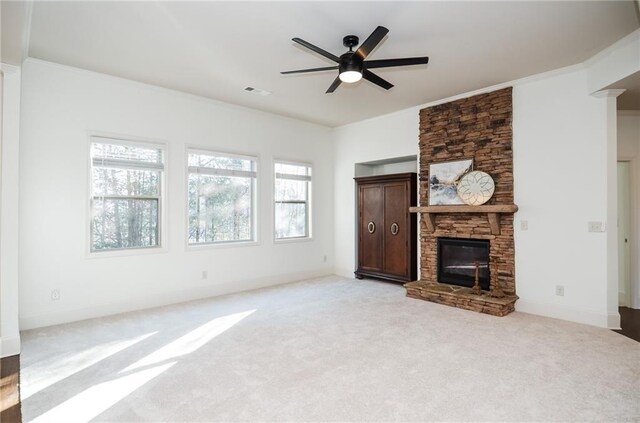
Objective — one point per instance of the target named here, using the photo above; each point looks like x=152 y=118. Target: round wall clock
x=476 y=188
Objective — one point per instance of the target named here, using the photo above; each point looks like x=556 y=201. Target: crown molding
x=608 y=93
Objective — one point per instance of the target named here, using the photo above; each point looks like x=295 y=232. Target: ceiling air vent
x=258 y=91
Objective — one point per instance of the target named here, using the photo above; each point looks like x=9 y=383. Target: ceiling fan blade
x=387 y=63
x=372 y=77
x=310 y=70
x=334 y=85
x=317 y=49
x=370 y=43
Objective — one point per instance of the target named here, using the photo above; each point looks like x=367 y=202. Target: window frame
x=255 y=233
x=308 y=203
x=118 y=139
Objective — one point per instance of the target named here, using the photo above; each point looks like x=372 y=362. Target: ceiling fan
x=352 y=65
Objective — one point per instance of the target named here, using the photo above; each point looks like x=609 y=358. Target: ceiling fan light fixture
x=350 y=69
x=350 y=76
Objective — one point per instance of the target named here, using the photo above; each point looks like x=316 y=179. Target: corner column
x=9 y=209
x=609 y=99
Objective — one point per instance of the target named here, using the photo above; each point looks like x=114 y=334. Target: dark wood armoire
x=387 y=232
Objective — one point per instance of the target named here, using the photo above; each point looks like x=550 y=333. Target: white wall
x=629 y=150
x=9 y=332
x=60 y=106
x=560 y=184
x=560 y=177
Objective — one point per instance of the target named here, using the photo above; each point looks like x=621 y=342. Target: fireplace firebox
x=457 y=261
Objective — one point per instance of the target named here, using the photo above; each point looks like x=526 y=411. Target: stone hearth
x=457 y=296
x=477 y=128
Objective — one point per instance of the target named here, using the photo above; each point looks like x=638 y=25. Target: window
x=125 y=194
x=221 y=197
x=292 y=200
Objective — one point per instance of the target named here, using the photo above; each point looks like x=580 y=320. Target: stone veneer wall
x=477 y=128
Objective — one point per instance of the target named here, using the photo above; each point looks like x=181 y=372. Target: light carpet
x=330 y=349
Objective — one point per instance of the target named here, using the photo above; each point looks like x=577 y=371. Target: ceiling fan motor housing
x=350 y=62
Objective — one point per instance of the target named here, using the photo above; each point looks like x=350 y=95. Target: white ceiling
x=14 y=23
x=216 y=49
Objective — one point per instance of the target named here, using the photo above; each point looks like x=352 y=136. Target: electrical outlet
x=324 y=259
x=55 y=295
x=524 y=225
x=205 y=274
x=596 y=226
x=560 y=290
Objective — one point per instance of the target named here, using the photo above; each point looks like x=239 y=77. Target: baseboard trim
x=345 y=273
x=167 y=298
x=587 y=317
x=613 y=321
x=9 y=345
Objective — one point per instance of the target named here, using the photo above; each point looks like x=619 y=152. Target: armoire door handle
x=394 y=228
x=371 y=227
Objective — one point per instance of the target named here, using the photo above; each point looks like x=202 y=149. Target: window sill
x=217 y=245
x=292 y=240
x=125 y=252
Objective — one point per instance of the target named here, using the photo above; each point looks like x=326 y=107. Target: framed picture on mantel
x=443 y=181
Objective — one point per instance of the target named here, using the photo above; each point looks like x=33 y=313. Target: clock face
x=476 y=188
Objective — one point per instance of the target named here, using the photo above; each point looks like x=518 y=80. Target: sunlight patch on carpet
x=191 y=341
x=43 y=374
x=95 y=400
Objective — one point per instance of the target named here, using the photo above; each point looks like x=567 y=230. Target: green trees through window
x=125 y=194
x=221 y=192
x=292 y=200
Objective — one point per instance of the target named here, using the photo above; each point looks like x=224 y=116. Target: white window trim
x=310 y=201
x=255 y=209
x=163 y=233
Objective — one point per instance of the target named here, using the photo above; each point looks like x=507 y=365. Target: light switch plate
x=524 y=225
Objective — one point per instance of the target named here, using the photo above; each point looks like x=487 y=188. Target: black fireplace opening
x=458 y=259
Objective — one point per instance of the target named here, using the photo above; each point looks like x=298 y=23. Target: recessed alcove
x=386 y=166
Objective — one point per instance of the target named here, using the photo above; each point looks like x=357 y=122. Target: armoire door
x=395 y=259
x=370 y=230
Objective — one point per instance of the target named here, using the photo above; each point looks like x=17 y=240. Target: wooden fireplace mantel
x=493 y=213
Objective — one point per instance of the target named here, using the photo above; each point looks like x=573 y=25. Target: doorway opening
x=624 y=234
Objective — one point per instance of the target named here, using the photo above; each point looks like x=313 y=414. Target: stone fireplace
x=477 y=128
